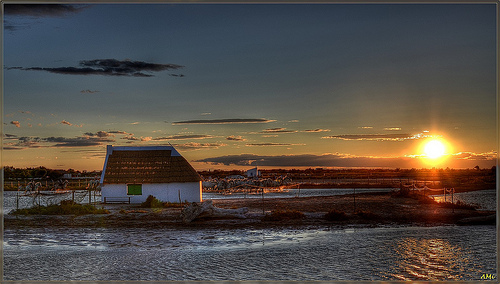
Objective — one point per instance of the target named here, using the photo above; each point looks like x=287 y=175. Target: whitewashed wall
x=166 y=192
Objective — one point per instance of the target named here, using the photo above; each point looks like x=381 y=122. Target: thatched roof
x=146 y=165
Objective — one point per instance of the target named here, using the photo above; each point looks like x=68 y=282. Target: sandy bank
x=379 y=209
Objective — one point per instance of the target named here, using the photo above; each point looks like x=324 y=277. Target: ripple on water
x=410 y=253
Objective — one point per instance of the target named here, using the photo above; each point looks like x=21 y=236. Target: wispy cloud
x=277 y=130
x=182 y=137
x=317 y=130
x=107 y=67
x=272 y=144
x=197 y=146
x=392 y=128
x=70 y=124
x=224 y=121
x=16 y=123
x=235 y=138
x=476 y=156
x=379 y=137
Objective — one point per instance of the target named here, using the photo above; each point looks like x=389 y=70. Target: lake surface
x=486 y=199
x=391 y=253
x=387 y=253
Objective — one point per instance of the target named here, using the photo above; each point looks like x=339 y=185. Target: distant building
x=251 y=173
x=134 y=173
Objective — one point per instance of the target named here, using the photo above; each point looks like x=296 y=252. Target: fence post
x=452 y=204
x=354 y=200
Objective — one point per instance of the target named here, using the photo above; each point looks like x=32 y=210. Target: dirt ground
x=371 y=209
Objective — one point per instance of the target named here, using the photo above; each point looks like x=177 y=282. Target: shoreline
x=363 y=209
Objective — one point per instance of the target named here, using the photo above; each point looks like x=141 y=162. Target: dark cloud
x=107 y=67
x=225 y=121
x=309 y=160
x=9 y=136
x=38 y=142
x=100 y=134
x=8 y=26
x=120 y=132
x=42 y=10
x=77 y=142
x=181 y=137
x=344 y=160
x=277 y=130
x=88 y=92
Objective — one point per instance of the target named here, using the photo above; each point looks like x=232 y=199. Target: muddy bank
x=370 y=209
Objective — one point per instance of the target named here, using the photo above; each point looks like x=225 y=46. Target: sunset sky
x=243 y=85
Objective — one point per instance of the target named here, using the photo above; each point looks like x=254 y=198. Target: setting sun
x=434 y=149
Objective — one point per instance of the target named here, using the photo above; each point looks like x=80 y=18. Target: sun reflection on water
x=428 y=259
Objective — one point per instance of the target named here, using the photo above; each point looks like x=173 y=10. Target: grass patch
x=153 y=202
x=335 y=215
x=66 y=207
x=280 y=215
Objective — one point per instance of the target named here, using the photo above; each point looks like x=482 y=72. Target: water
x=486 y=199
x=392 y=253
x=303 y=192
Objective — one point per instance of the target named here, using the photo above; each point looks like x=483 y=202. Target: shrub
x=368 y=215
x=66 y=207
x=335 y=215
x=280 y=215
x=152 y=202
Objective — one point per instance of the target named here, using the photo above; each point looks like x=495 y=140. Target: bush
x=66 y=207
x=367 y=215
x=152 y=202
x=335 y=215
x=280 y=215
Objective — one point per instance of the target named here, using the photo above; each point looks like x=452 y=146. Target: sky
x=234 y=86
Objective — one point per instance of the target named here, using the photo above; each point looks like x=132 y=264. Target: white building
x=251 y=173
x=131 y=174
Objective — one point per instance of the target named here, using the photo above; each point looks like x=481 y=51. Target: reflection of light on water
x=428 y=259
